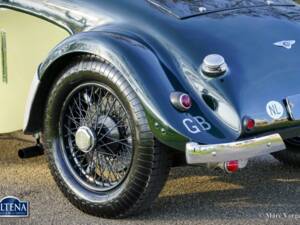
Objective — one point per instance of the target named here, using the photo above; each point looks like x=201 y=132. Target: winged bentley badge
x=285 y=44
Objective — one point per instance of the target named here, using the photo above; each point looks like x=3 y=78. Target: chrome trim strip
x=4 y=56
x=197 y=154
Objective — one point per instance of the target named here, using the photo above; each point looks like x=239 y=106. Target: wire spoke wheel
x=102 y=153
x=96 y=137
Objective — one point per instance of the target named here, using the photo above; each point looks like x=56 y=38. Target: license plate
x=293 y=106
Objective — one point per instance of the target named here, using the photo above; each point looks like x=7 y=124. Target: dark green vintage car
x=124 y=90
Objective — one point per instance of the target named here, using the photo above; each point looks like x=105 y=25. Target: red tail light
x=181 y=101
x=249 y=123
x=232 y=166
x=185 y=101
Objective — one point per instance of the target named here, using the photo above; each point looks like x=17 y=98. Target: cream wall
x=29 y=40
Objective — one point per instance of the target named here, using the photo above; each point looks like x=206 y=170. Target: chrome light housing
x=181 y=101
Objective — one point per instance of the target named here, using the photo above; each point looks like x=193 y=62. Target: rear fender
x=145 y=73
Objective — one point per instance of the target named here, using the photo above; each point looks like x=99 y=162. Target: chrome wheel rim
x=96 y=137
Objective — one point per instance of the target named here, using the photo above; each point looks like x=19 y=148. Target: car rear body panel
x=162 y=53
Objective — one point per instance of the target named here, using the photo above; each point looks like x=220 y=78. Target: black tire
x=290 y=156
x=149 y=165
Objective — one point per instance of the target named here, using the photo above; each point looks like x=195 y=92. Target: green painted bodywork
x=159 y=52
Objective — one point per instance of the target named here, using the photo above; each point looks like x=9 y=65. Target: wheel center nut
x=85 y=139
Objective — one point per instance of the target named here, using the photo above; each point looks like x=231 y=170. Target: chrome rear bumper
x=197 y=154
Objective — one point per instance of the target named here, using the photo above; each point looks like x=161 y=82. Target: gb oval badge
x=275 y=109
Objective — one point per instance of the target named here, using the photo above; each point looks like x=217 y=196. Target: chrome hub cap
x=85 y=139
